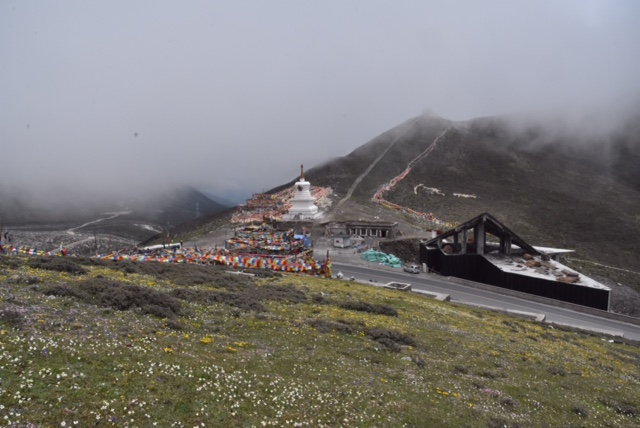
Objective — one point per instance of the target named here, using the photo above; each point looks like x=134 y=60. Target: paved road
x=461 y=293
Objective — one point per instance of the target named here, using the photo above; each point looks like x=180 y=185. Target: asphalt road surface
x=436 y=284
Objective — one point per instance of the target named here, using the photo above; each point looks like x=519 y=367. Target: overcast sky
x=235 y=95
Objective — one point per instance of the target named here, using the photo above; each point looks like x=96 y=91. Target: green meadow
x=90 y=343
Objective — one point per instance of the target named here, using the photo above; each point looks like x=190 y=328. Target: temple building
x=303 y=205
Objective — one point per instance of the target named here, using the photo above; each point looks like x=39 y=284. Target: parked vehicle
x=412 y=268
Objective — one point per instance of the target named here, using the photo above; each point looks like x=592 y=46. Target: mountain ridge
x=172 y=206
x=554 y=187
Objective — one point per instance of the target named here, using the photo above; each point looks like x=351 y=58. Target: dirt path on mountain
x=370 y=167
x=378 y=197
x=114 y=215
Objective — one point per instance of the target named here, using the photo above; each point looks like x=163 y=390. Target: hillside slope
x=171 y=206
x=178 y=206
x=86 y=342
x=553 y=194
x=553 y=189
x=97 y=225
x=390 y=152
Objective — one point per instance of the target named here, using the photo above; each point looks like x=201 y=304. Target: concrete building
x=341 y=241
x=484 y=250
x=375 y=229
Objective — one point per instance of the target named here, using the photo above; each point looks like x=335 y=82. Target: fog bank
x=121 y=98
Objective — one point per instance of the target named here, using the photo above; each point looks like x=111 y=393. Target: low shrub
x=190 y=277
x=389 y=344
x=498 y=422
x=368 y=307
x=508 y=402
x=621 y=407
x=559 y=371
x=264 y=273
x=174 y=325
x=111 y=294
x=12 y=318
x=319 y=299
x=390 y=339
x=383 y=335
x=280 y=293
x=487 y=374
x=325 y=326
x=580 y=410
x=242 y=301
x=420 y=362
x=10 y=262
x=179 y=274
x=460 y=369
x=58 y=264
x=22 y=279
x=92 y=261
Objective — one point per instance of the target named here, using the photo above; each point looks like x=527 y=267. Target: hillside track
x=366 y=172
x=378 y=197
x=113 y=215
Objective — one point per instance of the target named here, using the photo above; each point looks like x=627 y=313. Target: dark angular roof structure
x=481 y=225
x=507 y=261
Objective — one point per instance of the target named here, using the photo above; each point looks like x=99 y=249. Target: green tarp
x=380 y=257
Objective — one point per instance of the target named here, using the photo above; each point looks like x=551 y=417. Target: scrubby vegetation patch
x=282 y=351
x=390 y=339
x=58 y=264
x=370 y=308
x=243 y=301
x=11 y=317
x=110 y=294
x=280 y=293
x=327 y=326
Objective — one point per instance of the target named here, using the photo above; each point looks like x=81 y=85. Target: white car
x=412 y=268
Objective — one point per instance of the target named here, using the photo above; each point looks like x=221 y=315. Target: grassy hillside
x=91 y=343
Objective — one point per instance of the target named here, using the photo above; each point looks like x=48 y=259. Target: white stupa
x=302 y=203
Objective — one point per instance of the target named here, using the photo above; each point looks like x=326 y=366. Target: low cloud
x=119 y=99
